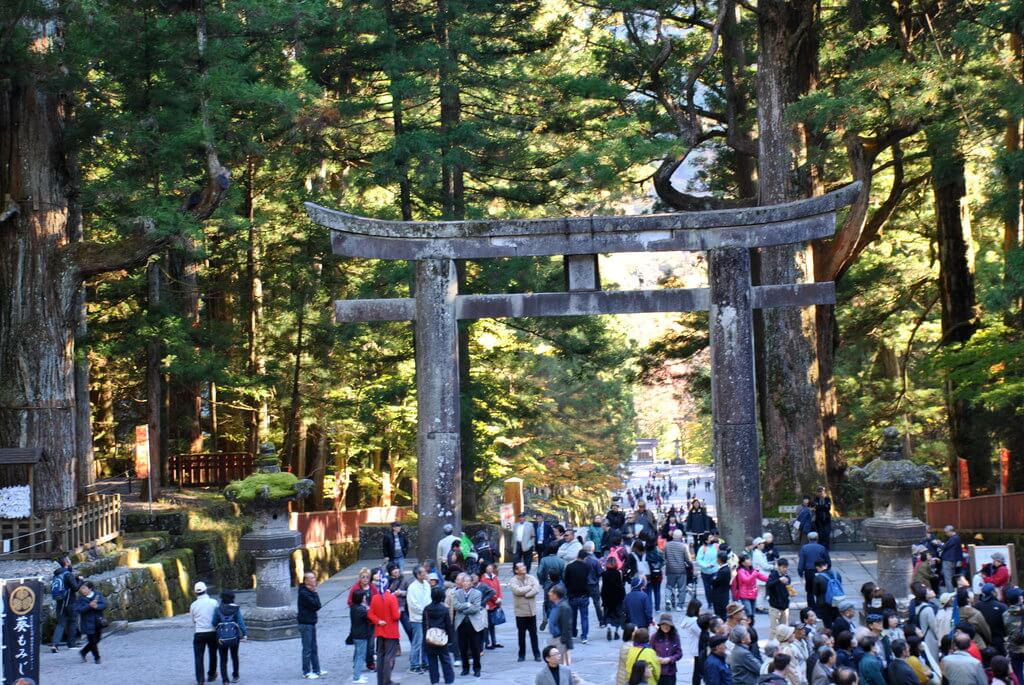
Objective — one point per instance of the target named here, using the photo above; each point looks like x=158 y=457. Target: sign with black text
x=22 y=605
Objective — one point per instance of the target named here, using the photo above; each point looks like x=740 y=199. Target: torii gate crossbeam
x=726 y=235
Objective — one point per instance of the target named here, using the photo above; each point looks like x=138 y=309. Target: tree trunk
x=103 y=399
x=158 y=462
x=293 y=426
x=186 y=393
x=39 y=290
x=401 y=156
x=734 y=64
x=323 y=445
x=792 y=428
x=1013 y=223
x=259 y=418
x=968 y=438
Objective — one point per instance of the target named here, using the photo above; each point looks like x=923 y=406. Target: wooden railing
x=321 y=528
x=91 y=523
x=985 y=513
x=210 y=468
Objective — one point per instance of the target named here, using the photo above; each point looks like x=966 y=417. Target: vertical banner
x=1004 y=470
x=964 y=479
x=142 y=452
x=22 y=604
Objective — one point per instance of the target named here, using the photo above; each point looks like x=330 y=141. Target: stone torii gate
x=726 y=235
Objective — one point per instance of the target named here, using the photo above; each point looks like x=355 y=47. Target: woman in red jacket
x=744 y=584
x=490 y=579
x=997 y=573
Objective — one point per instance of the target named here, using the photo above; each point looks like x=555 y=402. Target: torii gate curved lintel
x=726 y=235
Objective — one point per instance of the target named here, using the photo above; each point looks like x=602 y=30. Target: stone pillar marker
x=437 y=402
x=733 y=396
x=271 y=544
x=894 y=529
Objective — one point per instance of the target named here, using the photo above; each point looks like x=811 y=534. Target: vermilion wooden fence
x=210 y=468
x=985 y=513
x=321 y=528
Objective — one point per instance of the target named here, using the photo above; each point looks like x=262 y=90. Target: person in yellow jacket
x=642 y=651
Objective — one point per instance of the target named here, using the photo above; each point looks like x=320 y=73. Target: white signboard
x=508 y=516
x=982 y=554
x=788 y=508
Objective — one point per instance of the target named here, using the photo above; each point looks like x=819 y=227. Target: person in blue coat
x=89 y=606
x=716 y=670
x=638 y=607
x=809 y=555
x=229 y=637
x=804 y=519
x=951 y=554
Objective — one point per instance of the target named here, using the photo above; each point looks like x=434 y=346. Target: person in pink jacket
x=744 y=584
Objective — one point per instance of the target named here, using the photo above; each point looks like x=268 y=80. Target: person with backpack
x=63 y=589
x=204 y=639
x=921 y=614
x=828 y=591
x=89 y=606
x=231 y=630
x=1013 y=626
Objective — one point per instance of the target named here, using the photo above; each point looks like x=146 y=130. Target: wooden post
x=437 y=402
x=733 y=396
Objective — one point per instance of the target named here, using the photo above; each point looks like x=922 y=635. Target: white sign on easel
x=980 y=555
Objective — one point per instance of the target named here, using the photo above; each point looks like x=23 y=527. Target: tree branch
x=91 y=259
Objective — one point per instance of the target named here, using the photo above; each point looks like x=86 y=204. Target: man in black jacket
x=845 y=621
x=577 y=585
x=615 y=518
x=544 y=536
x=309 y=605
x=720 y=581
x=396 y=544
x=900 y=672
x=992 y=609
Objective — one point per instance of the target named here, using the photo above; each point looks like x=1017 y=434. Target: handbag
x=497 y=617
x=102 y=622
x=437 y=637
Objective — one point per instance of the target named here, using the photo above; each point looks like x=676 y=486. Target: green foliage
x=277 y=486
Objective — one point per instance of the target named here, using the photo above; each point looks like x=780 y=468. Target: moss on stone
x=271 y=486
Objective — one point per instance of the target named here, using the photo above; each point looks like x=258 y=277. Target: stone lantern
x=893 y=529
x=265 y=495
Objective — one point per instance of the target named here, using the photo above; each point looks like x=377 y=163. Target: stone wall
x=325 y=560
x=844 y=531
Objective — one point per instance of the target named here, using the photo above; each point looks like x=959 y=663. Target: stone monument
x=265 y=495
x=893 y=529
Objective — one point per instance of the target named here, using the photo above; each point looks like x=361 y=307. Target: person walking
x=439 y=634
x=707 y=562
x=204 y=638
x=721 y=579
x=544 y=536
x=576 y=577
x=822 y=506
x=554 y=673
x=417 y=598
x=570 y=548
x=613 y=593
x=560 y=623
x=678 y=566
x=951 y=554
x=89 y=605
x=668 y=646
x=810 y=553
x=396 y=544
x=525 y=588
x=470 y=619
x=493 y=605
x=63 y=590
x=525 y=538
x=308 y=606
x=230 y=629
x=594 y=580
x=803 y=525
x=778 y=588
x=638 y=608
x=361 y=634
x=385 y=615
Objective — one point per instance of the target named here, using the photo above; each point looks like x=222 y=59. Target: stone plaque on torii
x=726 y=235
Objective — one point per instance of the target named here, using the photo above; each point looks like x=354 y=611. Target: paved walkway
x=159 y=652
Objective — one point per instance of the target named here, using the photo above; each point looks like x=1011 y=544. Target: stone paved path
x=159 y=652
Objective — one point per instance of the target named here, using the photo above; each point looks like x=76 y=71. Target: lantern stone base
x=271 y=623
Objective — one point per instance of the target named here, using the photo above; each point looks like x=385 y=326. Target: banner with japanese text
x=22 y=632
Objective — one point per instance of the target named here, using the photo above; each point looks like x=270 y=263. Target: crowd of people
x=660 y=580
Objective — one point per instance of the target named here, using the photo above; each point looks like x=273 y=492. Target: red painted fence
x=209 y=468
x=321 y=528
x=986 y=513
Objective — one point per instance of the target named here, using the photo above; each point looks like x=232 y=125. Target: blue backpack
x=58 y=588
x=834 y=593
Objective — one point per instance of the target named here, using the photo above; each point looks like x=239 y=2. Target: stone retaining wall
x=844 y=531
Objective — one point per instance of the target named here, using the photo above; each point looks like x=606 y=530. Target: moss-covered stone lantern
x=265 y=495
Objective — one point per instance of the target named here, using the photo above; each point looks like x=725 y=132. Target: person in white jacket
x=417 y=598
x=761 y=563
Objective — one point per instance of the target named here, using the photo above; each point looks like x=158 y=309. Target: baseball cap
x=873 y=618
x=199 y=587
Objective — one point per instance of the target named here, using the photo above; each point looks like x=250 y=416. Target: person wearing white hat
x=205 y=637
x=761 y=563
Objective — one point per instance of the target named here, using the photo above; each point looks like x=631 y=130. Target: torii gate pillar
x=437 y=402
